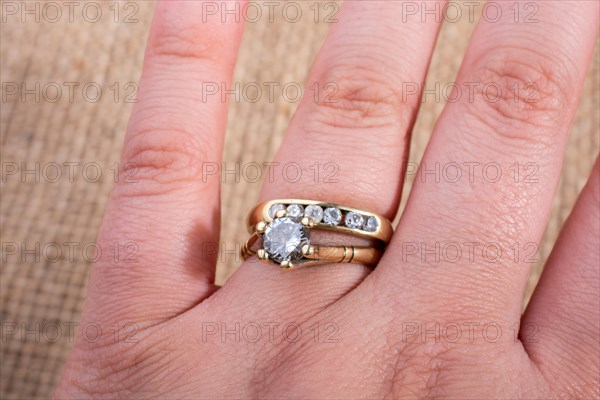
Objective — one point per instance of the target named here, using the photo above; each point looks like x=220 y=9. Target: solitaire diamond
x=354 y=220
x=284 y=238
x=371 y=224
x=332 y=216
x=295 y=210
x=314 y=212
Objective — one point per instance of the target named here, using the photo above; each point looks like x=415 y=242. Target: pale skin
x=169 y=294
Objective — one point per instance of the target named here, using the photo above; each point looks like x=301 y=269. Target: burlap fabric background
x=42 y=215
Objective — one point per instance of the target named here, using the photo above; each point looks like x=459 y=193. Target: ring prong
x=262 y=255
x=306 y=221
x=307 y=250
x=280 y=213
x=286 y=264
x=261 y=226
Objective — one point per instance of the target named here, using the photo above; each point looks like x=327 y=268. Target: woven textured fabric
x=49 y=225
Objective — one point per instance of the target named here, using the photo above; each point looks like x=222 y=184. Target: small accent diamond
x=295 y=210
x=354 y=220
x=274 y=208
x=332 y=216
x=371 y=224
x=314 y=212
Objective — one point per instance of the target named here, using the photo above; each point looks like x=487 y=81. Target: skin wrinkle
x=399 y=361
x=427 y=385
x=149 y=367
x=158 y=371
x=109 y=373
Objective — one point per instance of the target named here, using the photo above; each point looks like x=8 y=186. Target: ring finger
x=358 y=130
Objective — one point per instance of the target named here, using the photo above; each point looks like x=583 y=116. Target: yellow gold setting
x=285 y=236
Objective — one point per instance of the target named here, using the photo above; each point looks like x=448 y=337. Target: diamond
x=295 y=210
x=274 y=208
x=371 y=224
x=314 y=212
x=284 y=238
x=332 y=216
x=354 y=220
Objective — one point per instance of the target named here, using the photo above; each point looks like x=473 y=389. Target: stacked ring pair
x=283 y=227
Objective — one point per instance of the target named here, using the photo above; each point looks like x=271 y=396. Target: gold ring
x=283 y=226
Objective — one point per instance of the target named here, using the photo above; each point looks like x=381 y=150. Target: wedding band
x=327 y=216
x=284 y=226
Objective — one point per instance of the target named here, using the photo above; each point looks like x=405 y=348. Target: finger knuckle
x=361 y=98
x=160 y=158
x=521 y=94
x=176 y=43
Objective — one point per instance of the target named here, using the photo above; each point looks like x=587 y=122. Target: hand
x=440 y=316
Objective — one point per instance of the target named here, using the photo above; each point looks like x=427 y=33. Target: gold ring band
x=283 y=227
